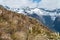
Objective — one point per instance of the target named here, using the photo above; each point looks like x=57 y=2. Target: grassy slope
x=14 y=26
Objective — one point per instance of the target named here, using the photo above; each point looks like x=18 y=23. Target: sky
x=37 y=1
x=49 y=4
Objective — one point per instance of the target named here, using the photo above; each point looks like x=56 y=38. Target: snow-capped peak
x=45 y=16
x=39 y=11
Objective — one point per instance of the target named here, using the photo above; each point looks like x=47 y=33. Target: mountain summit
x=15 y=26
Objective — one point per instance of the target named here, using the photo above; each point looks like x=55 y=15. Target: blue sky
x=49 y=4
x=36 y=1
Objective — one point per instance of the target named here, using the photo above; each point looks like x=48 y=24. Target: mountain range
x=46 y=16
x=17 y=26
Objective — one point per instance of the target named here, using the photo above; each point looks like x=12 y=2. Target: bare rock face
x=14 y=26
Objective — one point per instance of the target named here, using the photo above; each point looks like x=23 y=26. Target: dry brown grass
x=14 y=26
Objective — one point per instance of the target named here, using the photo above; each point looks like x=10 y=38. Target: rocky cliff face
x=57 y=24
x=14 y=26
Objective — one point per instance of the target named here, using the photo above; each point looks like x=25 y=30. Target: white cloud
x=49 y=4
x=18 y=3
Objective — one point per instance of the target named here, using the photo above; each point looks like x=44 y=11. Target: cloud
x=49 y=4
x=18 y=3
